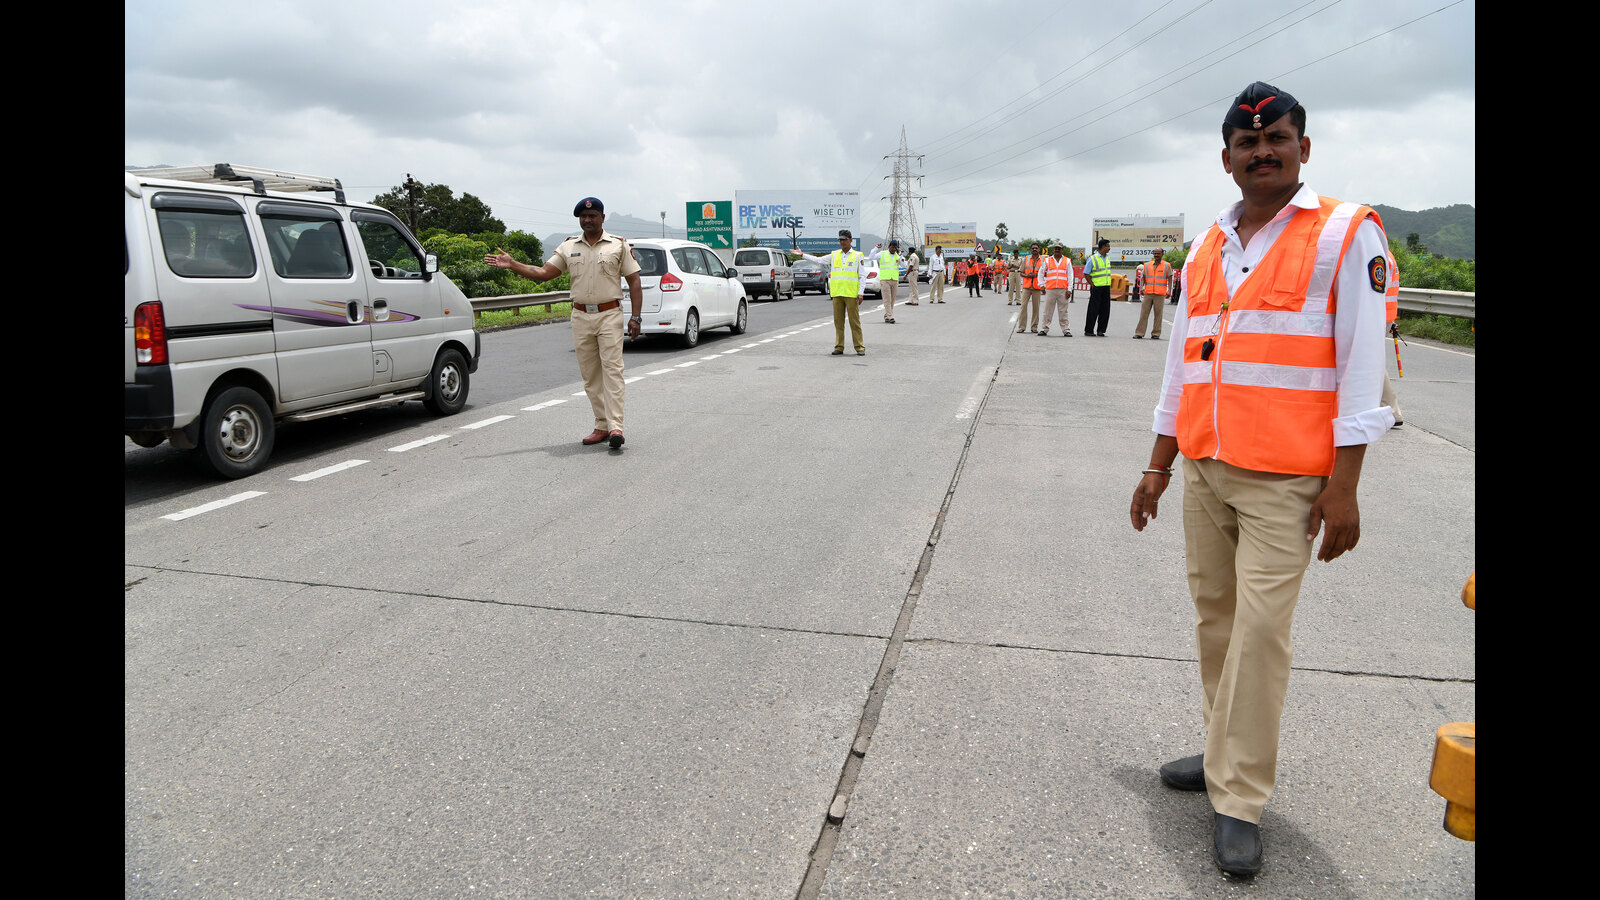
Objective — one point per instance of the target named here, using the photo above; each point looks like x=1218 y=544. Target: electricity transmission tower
x=902 y=217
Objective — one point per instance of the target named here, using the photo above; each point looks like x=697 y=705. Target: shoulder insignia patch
x=1378 y=273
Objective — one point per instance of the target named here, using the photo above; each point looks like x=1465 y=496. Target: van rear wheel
x=236 y=433
x=448 y=384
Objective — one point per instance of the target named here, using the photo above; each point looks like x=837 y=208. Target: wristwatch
x=635 y=319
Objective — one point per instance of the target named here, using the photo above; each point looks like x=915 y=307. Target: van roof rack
x=261 y=180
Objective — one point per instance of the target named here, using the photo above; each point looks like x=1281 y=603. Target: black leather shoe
x=837 y=353
x=616 y=440
x=1236 y=846
x=1187 y=774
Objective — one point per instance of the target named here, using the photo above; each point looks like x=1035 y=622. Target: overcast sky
x=1039 y=115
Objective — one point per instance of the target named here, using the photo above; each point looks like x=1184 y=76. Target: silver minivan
x=764 y=272
x=245 y=306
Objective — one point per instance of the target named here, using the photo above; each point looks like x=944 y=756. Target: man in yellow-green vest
x=889 y=278
x=844 y=286
x=1098 y=271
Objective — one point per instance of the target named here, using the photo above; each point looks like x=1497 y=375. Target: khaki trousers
x=1055 y=305
x=1030 y=303
x=936 y=288
x=911 y=288
x=1015 y=290
x=888 y=288
x=1245 y=544
x=1152 y=302
x=597 y=338
x=851 y=307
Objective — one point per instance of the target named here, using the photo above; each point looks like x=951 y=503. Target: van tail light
x=774 y=274
x=671 y=282
x=149 y=335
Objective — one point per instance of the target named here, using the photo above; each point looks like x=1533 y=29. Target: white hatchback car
x=869 y=276
x=688 y=288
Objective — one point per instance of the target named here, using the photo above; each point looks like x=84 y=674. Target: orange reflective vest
x=1156 y=279
x=1030 y=273
x=1391 y=294
x=1264 y=394
x=1057 y=275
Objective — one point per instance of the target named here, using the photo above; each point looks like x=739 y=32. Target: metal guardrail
x=1416 y=300
x=519 y=301
x=1437 y=303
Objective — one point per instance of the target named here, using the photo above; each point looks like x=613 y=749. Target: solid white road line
x=347 y=464
x=215 y=504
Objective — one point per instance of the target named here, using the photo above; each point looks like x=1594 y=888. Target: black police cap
x=1258 y=106
x=588 y=203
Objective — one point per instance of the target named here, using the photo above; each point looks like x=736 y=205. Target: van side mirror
x=430 y=265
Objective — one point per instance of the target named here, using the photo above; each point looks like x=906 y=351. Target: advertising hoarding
x=773 y=217
x=961 y=237
x=1135 y=238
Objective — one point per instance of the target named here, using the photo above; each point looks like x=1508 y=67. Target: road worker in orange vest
x=1271 y=393
x=1055 y=275
x=1153 y=277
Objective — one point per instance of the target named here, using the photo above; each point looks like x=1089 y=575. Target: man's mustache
x=1263 y=162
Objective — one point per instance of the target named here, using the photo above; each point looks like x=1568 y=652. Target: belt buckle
x=590 y=307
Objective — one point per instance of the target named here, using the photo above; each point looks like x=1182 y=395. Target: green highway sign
x=711 y=223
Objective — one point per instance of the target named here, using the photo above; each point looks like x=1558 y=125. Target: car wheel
x=447 y=384
x=236 y=433
x=691 y=328
x=742 y=320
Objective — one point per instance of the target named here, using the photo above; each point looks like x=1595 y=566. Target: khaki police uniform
x=599 y=320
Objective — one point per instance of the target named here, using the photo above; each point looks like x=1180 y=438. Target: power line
x=1207 y=105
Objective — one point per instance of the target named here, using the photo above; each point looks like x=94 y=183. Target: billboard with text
x=1135 y=238
x=776 y=218
x=958 y=236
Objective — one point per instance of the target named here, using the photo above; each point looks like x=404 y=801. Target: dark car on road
x=809 y=276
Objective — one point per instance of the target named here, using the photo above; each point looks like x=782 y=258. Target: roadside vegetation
x=1421 y=269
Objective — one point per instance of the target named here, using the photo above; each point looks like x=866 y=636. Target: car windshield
x=651 y=261
x=806 y=265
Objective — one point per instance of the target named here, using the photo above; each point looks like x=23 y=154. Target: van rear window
x=203 y=244
x=752 y=258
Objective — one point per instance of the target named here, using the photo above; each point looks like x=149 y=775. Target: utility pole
x=902 y=217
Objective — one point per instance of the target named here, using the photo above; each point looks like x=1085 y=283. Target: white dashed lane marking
x=340 y=467
x=215 y=504
x=415 y=444
x=422 y=442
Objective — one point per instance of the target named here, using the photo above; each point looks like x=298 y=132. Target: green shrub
x=1448 y=329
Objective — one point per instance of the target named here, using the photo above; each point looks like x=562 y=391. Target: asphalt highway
x=841 y=627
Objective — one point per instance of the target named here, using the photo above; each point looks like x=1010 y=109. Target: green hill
x=1446 y=230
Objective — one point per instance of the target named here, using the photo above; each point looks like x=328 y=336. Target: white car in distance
x=686 y=289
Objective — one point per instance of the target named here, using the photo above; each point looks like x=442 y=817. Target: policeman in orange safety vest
x=1271 y=392
x=1154 y=277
